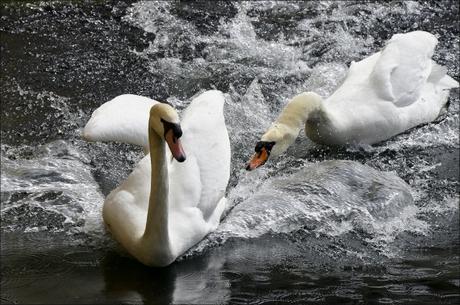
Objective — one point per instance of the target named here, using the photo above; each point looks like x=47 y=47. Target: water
x=319 y=225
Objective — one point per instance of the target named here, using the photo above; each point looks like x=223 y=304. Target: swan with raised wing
x=175 y=196
x=381 y=96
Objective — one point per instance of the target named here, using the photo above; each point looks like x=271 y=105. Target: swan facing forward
x=382 y=95
x=165 y=207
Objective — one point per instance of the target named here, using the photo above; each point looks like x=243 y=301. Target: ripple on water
x=31 y=258
x=82 y=258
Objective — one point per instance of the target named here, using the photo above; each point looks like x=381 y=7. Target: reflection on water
x=298 y=230
x=267 y=269
x=46 y=269
x=198 y=281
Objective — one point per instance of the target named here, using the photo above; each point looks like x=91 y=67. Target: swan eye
x=175 y=127
x=264 y=144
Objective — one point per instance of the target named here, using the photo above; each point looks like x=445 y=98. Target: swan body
x=381 y=96
x=164 y=207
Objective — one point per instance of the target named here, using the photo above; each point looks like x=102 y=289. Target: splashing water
x=236 y=45
x=54 y=192
x=394 y=197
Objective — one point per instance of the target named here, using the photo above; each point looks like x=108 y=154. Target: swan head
x=273 y=143
x=285 y=130
x=164 y=121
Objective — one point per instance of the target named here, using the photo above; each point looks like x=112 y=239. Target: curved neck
x=291 y=120
x=156 y=229
x=299 y=109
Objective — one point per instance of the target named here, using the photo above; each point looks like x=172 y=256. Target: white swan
x=165 y=207
x=382 y=95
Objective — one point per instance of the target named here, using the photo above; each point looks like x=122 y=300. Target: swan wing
x=404 y=66
x=387 y=93
x=202 y=179
x=196 y=185
x=122 y=119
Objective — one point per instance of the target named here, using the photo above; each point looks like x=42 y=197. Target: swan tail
x=122 y=119
x=439 y=77
x=447 y=83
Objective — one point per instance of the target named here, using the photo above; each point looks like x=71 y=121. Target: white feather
x=381 y=96
x=196 y=186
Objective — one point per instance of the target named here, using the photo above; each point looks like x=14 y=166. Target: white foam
x=68 y=176
x=330 y=198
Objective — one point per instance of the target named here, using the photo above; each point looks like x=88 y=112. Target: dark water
x=296 y=231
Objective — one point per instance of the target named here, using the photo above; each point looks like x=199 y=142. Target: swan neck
x=156 y=230
x=299 y=109
x=291 y=120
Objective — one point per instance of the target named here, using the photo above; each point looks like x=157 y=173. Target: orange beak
x=175 y=146
x=258 y=159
